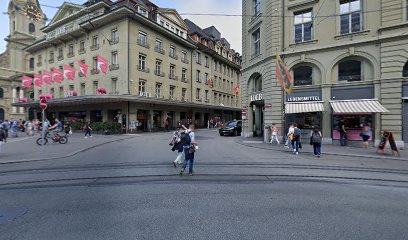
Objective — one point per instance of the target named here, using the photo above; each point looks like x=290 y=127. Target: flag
x=38 y=80
x=283 y=75
x=102 y=64
x=83 y=68
x=57 y=75
x=210 y=83
x=236 y=89
x=27 y=81
x=69 y=72
x=46 y=77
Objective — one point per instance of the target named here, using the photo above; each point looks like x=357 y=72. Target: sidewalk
x=326 y=149
x=25 y=149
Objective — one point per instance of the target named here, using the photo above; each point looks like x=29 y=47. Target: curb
x=326 y=153
x=68 y=155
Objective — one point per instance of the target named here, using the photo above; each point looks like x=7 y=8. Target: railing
x=81 y=51
x=70 y=55
x=94 y=47
x=113 y=67
x=51 y=60
x=144 y=69
x=159 y=50
x=114 y=41
x=174 y=56
x=173 y=77
x=143 y=43
x=94 y=71
x=159 y=73
x=184 y=60
x=184 y=80
x=39 y=64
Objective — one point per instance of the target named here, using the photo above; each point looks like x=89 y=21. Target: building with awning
x=358 y=106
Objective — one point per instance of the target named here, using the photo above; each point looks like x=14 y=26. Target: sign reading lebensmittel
x=304 y=99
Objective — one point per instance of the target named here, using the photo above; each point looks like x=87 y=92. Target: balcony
x=70 y=55
x=159 y=50
x=184 y=60
x=81 y=51
x=199 y=100
x=114 y=41
x=113 y=67
x=184 y=80
x=143 y=43
x=183 y=99
x=60 y=58
x=174 y=56
x=51 y=60
x=158 y=73
x=94 y=71
x=94 y=47
x=198 y=62
x=173 y=77
x=143 y=69
x=207 y=101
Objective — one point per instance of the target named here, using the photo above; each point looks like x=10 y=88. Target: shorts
x=365 y=138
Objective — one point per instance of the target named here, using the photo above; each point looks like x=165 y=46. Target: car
x=231 y=128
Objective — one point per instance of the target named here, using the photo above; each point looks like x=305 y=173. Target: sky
x=230 y=27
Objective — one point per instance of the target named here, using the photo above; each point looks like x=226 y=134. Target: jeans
x=317 y=149
x=179 y=158
x=88 y=132
x=343 y=139
x=188 y=157
x=275 y=138
x=295 y=145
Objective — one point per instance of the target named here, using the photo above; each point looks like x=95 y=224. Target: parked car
x=233 y=128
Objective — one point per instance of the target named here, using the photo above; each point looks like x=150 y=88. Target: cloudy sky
x=230 y=27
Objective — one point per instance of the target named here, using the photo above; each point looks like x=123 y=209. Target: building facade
x=23 y=31
x=158 y=67
x=348 y=60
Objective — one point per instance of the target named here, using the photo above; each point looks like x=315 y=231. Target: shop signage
x=244 y=112
x=304 y=99
x=257 y=97
x=145 y=94
x=268 y=105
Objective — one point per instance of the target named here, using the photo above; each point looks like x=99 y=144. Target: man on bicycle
x=57 y=128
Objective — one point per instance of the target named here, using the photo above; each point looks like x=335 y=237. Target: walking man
x=6 y=126
x=274 y=136
x=316 y=139
x=189 y=146
x=343 y=133
x=87 y=129
x=289 y=136
x=178 y=146
x=296 y=139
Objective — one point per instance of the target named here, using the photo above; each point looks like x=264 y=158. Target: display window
x=353 y=125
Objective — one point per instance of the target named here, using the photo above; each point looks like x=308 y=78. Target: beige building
x=15 y=61
x=159 y=68
x=348 y=59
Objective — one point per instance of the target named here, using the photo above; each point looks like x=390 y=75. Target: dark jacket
x=2 y=135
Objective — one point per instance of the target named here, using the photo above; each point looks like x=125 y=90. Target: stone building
x=348 y=59
x=23 y=29
x=159 y=69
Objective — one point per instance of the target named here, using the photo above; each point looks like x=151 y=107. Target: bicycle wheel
x=63 y=140
x=40 y=141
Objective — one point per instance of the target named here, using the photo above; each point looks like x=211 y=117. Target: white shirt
x=291 y=130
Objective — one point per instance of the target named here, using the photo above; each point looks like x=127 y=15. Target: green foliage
x=99 y=127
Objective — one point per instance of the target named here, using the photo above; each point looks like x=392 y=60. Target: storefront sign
x=145 y=94
x=257 y=97
x=268 y=105
x=304 y=99
x=244 y=112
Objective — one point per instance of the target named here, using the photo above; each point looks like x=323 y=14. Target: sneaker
x=86 y=137
x=191 y=174
x=297 y=153
x=181 y=172
x=90 y=136
x=286 y=146
x=318 y=156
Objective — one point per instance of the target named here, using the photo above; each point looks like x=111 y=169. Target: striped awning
x=303 y=107
x=358 y=106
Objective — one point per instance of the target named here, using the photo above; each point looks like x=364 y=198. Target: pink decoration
x=69 y=72
x=57 y=75
x=27 y=81
x=23 y=99
x=83 y=68
x=102 y=64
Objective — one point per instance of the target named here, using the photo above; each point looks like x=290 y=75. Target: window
x=256 y=39
x=198 y=58
x=71 y=50
x=71 y=87
x=82 y=93
x=171 y=92
x=159 y=46
x=115 y=36
x=206 y=95
x=405 y=70
x=115 y=58
x=257 y=84
x=31 y=64
x=95 y=42
x=198 y=76
x=1 y=93
x=142 y=87
x=142 y=62
x=206 y=78
x=206 y=61
x=350 y=16
x=114 y=85
x=172 y=71
x=95 y=87
x=142 y=11
x=39 y=61
x=303 y=26
x=51 y=55
x=215 y=65
x=302 y=76
x=198 y=94
x=95 y=63
x=31 y=28
x=184 y=56
x=172 y=52
x=350 y=70
x=257 y=7
x=183 y=94
x=183 y=74
x=82 y=46
x=162 y=23
x=61 y=92
x=142 y=39
x=158 y=90
x=158 y=67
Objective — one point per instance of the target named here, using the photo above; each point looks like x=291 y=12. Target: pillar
x=326 y=120
x=176 y=118
x=21 y=109
x=14 y=96
x=150 y=120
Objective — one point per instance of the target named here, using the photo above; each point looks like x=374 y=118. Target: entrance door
x=405 y=119
x=1 y=114
x=258 y=116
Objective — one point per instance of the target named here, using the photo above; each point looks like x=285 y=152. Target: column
x=203 y=124
x=21 y=109
x=14 y=96
x=150 y=121
x=326 y=120
x=176 y=118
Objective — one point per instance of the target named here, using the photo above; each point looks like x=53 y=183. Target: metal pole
x=42 y=132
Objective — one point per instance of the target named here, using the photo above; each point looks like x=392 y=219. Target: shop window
x=303 y=76
x=405 y=70
x=350 y=71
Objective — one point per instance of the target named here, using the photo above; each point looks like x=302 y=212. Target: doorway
x=258 y=109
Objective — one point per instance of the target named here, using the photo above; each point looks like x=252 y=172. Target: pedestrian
x=189 y=147
x=3 y=138
x=166 y=124
x=6 y=127
x=296 y=139
x=316 y=141
x=365 y=135
x=178 y=146
x=343 y=133
x=14 y=126
x=30 y=128
x=87 y=129
x=274 y=136
x=289 y=136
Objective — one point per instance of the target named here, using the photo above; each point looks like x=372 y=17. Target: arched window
x=1 y=93
x=405 y=70
x=257 y=83
x=31 y=28
x=302 y=76
x=350 y=70
x=1 y=114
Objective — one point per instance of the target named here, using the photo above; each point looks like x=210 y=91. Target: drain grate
x=9 y=215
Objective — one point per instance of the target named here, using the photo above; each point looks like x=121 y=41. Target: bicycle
x=62 y=139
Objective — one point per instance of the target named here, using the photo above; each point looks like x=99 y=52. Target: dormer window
x=142 y=11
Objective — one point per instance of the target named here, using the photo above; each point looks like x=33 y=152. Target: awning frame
x=305 y=103
x=381 y=107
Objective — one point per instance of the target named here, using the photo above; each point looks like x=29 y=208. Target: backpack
x=185 y=139
x=316 y=138
x=296 y=133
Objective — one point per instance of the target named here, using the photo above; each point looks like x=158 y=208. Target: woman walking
x=274 y=136
x=178 y=146
x=365 y=135
x=316 y=140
